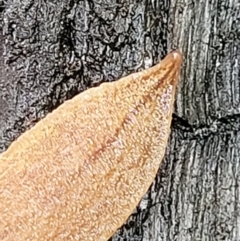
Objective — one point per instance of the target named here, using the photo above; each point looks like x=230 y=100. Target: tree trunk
x=52 y=50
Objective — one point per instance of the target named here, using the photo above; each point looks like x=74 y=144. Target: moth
x=79 y=173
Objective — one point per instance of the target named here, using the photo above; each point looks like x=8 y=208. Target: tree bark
x=52 y=50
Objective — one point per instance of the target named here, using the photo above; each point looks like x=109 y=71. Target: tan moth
x=79 y=173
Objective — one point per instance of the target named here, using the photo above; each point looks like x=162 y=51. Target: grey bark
x=52 y=50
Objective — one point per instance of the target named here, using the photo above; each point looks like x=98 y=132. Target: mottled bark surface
x=51 y=50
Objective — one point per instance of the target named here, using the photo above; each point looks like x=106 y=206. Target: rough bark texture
x=55 y=49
